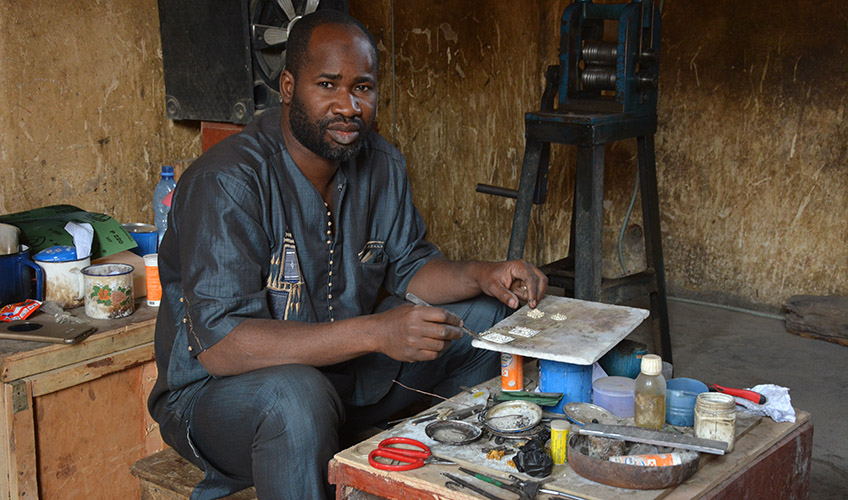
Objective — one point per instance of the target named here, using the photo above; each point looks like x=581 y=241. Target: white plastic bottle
x=649 y=403
x=160 y=210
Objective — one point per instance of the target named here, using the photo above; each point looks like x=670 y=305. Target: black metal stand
x=580 y=271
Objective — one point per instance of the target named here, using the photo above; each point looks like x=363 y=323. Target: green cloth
x=541 y=399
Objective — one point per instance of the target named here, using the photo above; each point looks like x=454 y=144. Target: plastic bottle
x=649 y=403
x=160 y=210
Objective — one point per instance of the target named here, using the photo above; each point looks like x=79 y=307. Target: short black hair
x=298 y=39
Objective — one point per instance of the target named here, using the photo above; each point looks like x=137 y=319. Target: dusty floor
x=737 y=349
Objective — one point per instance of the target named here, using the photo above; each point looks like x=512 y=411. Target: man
x=269 y=335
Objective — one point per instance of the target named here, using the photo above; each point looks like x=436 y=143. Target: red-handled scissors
x=411 y=458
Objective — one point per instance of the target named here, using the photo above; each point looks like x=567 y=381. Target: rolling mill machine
x=602 y=91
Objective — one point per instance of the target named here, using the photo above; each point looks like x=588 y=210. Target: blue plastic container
x=145 y=235
x=573 y=381
x=680 y=397
x=624 y=360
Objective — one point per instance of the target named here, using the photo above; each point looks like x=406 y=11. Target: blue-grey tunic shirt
x=250 y=237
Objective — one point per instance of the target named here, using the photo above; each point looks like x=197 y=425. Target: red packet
x=19 y=311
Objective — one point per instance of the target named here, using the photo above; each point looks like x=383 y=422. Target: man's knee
x=299 y=397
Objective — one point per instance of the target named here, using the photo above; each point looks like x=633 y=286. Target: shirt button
x=332 y=319
x=185 y=320
x=331 y=251
x=329 y=214
x=328 y=241
x=182 y=299
x=331 y=308
x=331 y=273
x=331 y=263
x=329 y=232
x=330 y=296
x=189 y=348
x=330 y=284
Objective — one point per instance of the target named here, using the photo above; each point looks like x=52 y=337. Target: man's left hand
x=513 y=281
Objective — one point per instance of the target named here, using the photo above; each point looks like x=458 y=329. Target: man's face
x=335 y=93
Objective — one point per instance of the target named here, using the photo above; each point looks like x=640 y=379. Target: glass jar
x=715 y=418
x=649 y=400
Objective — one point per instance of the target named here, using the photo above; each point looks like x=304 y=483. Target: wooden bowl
x=624 y=475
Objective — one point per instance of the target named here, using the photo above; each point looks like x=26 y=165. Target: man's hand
x=512 y=281
x=417 y=333
x=442 y=281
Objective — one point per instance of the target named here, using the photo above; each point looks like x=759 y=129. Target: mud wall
x=751 y=150
x=82 y=107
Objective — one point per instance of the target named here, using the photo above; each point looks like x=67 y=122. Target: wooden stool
x=168 y=476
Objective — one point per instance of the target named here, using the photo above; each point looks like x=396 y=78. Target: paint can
x=512 y=372
x=573 y=381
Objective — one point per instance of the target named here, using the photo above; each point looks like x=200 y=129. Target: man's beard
x=312 y=134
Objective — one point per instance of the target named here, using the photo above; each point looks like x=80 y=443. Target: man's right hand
x=417 y=333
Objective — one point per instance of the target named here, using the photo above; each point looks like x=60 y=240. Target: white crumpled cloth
x=778 y=406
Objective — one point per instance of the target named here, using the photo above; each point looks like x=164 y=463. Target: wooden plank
x=88 y=437
x=80 y=373
x=6 y=471
x=396 y=485
x=152 y=437
x=23 y=359
x=167 y=475
x=19 y=442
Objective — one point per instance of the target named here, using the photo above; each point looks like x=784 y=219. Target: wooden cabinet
x=73 y=418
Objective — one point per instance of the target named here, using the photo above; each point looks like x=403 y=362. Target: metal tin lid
x=586 y=413
x=59 y=253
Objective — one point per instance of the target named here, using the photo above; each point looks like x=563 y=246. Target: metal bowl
x=512 y=417
x=455 y=432
x=625 y=475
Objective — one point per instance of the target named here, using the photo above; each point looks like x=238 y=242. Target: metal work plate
x=589 y=330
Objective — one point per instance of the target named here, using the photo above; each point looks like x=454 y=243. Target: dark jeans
x=277 y=428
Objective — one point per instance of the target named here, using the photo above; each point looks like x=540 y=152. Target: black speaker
x=223 y=58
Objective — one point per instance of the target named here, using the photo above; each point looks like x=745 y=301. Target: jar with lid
x=649 y=401
x=715 y=418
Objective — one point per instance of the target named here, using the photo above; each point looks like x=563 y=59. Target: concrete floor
x=737 y=349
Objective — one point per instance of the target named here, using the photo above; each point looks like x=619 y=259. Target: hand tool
x=650 y=436
x=455 y=481
x=418 y=302
x=500 y=484
x=412 y=459
x=529 y=489
x=741 y=393
x=526 y=490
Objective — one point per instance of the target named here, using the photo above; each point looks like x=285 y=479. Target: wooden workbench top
x=755 y=436
x=19 y=359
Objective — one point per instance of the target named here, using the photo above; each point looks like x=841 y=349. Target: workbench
x=770 y=460
x=73 y=418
